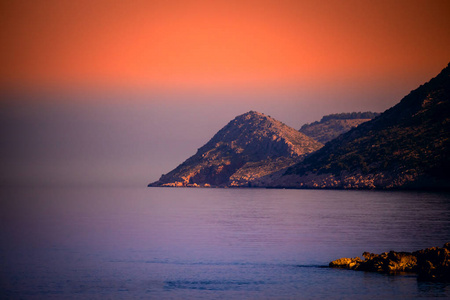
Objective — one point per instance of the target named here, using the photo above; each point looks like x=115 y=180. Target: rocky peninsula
x=405 y=147
x=431 y=264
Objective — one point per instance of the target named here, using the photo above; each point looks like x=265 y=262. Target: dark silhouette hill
x=331 y=126
x=407 y=146
x=250 y=146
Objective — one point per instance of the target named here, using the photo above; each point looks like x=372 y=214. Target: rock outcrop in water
x=251 y=146
x=429 y=264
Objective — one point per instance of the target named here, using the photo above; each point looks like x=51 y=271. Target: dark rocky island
x=429 y=264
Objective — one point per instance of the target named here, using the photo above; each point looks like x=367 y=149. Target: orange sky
x=218 y=44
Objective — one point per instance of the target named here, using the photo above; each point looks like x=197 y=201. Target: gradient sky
x=219 y=44
x=122 y=91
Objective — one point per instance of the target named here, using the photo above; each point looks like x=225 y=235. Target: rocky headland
x=251 y=146
x=429 y=264
x=405 y=147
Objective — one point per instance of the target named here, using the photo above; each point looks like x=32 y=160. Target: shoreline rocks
x=431 y=264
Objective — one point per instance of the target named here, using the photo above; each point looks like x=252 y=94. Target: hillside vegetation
x=407 y=146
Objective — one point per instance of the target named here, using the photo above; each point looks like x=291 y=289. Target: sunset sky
x=164 y=76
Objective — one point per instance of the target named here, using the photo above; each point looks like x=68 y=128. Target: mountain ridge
x=331 y=126
x=405 y=147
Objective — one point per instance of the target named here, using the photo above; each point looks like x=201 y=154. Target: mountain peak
x=253 y=129
x=253 y=115
x=240 y=150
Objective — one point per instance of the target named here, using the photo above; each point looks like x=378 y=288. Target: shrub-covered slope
x=407 y=146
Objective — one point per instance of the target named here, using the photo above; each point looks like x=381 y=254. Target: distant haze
x=97 y=141
x=119 y=92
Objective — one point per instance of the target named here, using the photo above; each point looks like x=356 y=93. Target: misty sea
x=181 y=243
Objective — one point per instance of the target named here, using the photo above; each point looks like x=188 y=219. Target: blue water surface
x=181 y=243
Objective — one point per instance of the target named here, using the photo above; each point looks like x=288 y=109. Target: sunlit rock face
x=250 y=146
x=429 y=264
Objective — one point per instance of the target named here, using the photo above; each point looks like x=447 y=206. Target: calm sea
x=163 y=243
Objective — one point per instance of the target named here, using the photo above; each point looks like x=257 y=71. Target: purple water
x=163 y=243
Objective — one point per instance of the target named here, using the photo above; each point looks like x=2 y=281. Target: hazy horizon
x=106 y=141
x=99 y=93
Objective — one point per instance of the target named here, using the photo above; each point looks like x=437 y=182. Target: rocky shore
x=432 y=264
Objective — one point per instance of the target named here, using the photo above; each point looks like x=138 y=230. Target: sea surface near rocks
x=162 y=243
